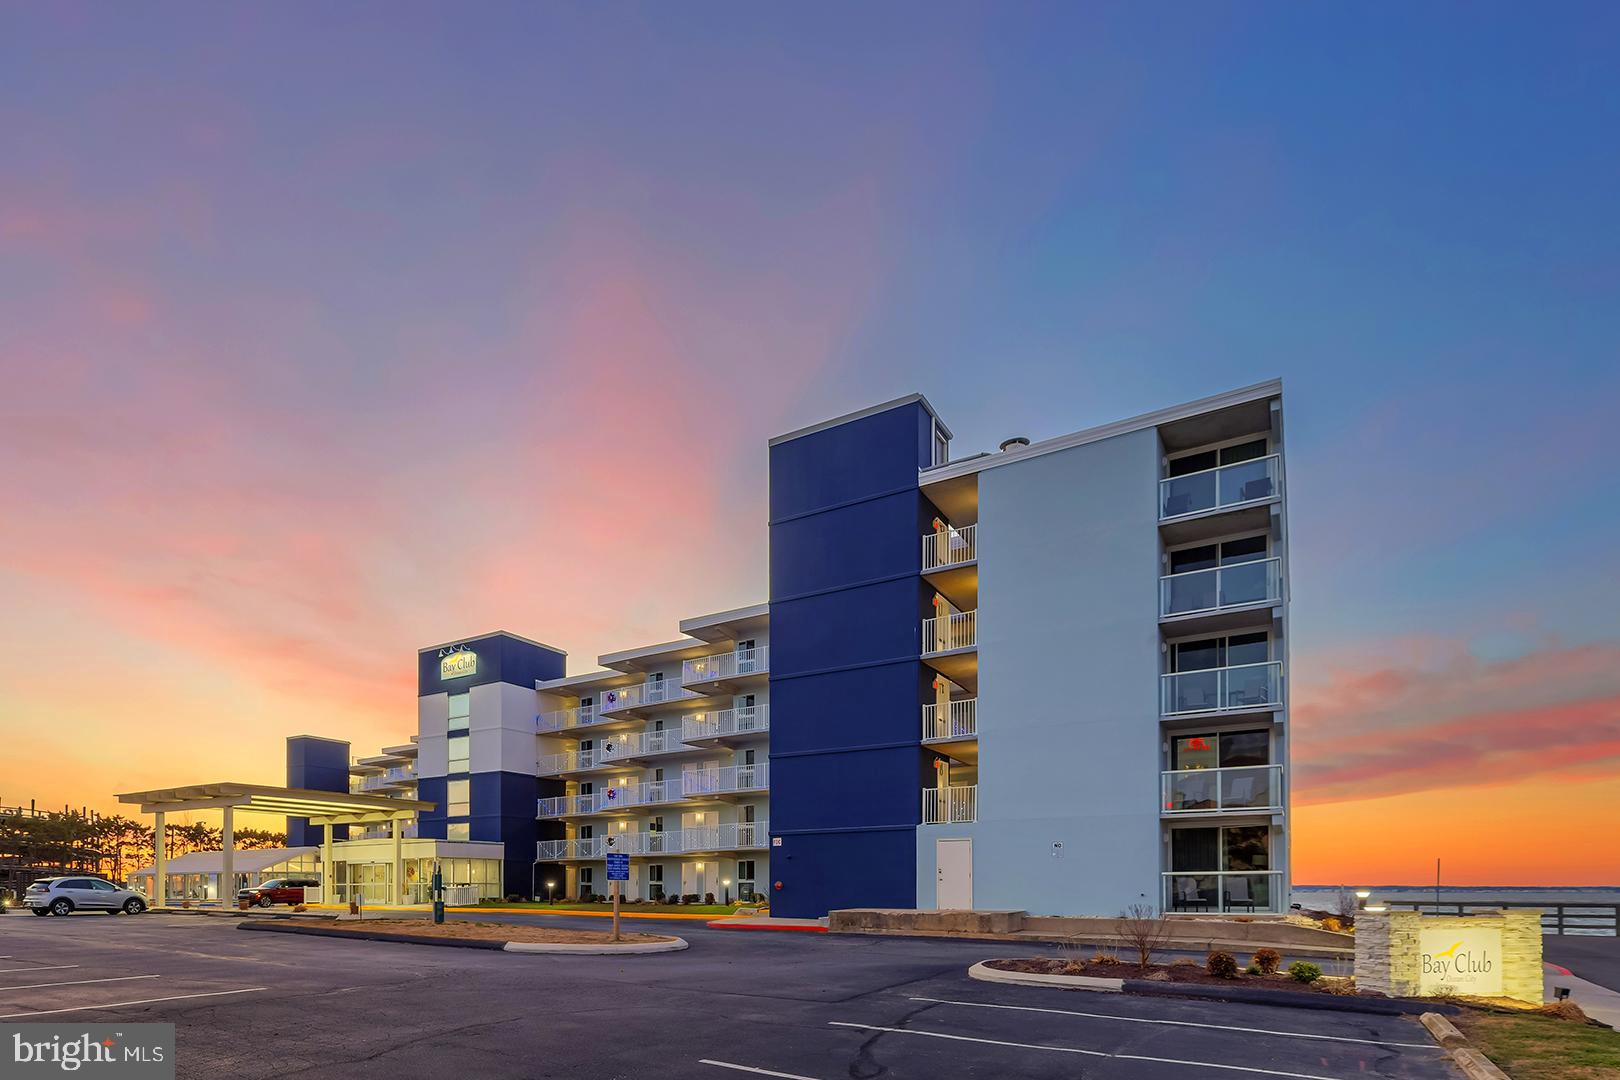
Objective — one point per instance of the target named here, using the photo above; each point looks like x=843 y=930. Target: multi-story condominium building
x=1051 y=677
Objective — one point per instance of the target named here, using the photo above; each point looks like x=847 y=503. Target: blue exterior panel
x=503 y=805
x=430 y=823
x=501 y=658
x=846 y=609
x=315 y=764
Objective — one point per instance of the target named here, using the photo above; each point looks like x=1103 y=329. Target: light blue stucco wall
x=1068 y=684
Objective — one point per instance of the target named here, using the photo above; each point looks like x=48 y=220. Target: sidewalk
x=766 y=922
x=1598 y=1002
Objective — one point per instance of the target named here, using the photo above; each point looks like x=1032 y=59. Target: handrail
x=1221 y=593
x=949 y=547
x=1252 y=481
x=727 y=665
x=1218 y=689
x=743 y=720
x=1227 y=789
x=943 y=633
x=954 y=720
x=953 y=805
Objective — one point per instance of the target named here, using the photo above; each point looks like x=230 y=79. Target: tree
x=1144 y=930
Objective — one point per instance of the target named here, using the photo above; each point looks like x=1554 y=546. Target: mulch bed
x=483 y=931
x=1177 y=973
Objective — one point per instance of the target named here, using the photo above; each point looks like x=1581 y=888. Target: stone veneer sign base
x=1484 y=954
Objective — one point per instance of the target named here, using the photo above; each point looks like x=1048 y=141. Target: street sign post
x=618 y=870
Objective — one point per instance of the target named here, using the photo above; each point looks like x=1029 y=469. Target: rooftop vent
x=1016 y=440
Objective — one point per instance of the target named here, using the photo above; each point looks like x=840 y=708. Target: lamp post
x=727 y=883
x=549 y=886
x=1361 y=898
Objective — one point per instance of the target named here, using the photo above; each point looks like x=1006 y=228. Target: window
x=458 y=830
x=1231 y=651
x=656 y=824
x=1235 y=848
x=458 y=750
x=104 y=886
x=1225 y=553
x=460 y=712
x=585 y=888
x=1227 y=750
x=1209 y=459
x=745 y=879
x=457 y=797
x=942 y=445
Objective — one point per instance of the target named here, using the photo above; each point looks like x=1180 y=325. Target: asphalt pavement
x=801 y=1006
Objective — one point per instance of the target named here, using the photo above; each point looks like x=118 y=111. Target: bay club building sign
x=457 y=663
x=1483 y=954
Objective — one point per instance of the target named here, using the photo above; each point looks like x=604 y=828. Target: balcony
x=1225 y=488
x=728 y=780
x=1218 y=589
x=1241 y=688
x=576 y=761
x=727 y=670
x=566 y=719
x=947 y=633
x=643 y=744
x=737 y=836
x=726 y=725
x=950 y=805
x=949 y=547
x=952 y=720
x=403 y=775
x=1242 y=789
x=1223 y=890
x=629 y=700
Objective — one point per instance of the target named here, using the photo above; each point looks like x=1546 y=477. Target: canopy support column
x=227 y=867
x=328 y=867
x=160 y=863
x=399 y=861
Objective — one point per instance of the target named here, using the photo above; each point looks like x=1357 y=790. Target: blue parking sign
x=618 y=867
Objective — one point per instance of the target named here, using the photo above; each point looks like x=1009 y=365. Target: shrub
x=1253 y=969
x=1145 y=931
x=1267 y=960
x=1332 y=923
x=1182 y=961
x=671 y=898
x=708 y=898
x=1222 y=965
x=690 y=898
x=1105 y=959
x=1304 y=971
x=300 y=907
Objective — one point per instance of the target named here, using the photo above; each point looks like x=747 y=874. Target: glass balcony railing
x=1244 y=686
x=1239 y=789
x=1219 y=489
x=1223 y=890
x=1221 y=587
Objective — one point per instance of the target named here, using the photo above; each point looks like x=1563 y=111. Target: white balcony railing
x=951 y=720
x=735 y=836
x=642 y=744
x=570 y=761
x=647 y=693
x=1221 y=587
x=950 y=805
x=1236 y=789
x=403 y=774
x=564 y=719
x=949 y=547
x=729 y=778
x=1219 y=488
x=1223 y=890
x=942 y=633
x=727 y=723
x=727 y=665
x=1242 y=686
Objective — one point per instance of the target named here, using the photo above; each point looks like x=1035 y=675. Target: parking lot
x=787 y=1005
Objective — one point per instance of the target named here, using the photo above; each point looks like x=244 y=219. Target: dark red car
x=277 y=891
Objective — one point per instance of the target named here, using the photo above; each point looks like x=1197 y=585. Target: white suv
x=65 y=895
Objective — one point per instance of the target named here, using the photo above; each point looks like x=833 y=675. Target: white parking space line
x=121 y=1004
x=53 y=967
x=79 y=982
x=1182 y=1023
x=751 y=1069
x=1077 y=1050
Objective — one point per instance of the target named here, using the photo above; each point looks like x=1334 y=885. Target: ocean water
x=1325 y=898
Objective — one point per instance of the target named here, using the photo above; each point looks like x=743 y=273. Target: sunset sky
x=327 y=333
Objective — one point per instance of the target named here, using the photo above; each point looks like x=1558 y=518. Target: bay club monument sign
x=1482 y=954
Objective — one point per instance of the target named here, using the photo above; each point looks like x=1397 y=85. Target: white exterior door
x=953 y=861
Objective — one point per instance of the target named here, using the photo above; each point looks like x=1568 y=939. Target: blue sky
x=294 y=300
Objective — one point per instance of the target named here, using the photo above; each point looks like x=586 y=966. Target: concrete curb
x=627 y=948
x=1475 y=1065
x=1444 y=1031
x=984 y=973
x=763 y=924
x=637 y=948
x=1236 y=994
x=1100 y=941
